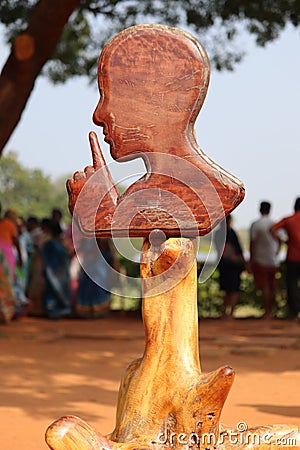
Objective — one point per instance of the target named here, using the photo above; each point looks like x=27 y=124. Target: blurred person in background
x=231 y=265
x=9 y=243
x=97 y=259
x=264 y=261
x=21 y=271
x=56 y=268
x=291 y=227
x=7 y=297
x=36 y=282
x=57 y=217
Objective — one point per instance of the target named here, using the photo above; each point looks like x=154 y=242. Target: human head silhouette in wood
x=153 y=80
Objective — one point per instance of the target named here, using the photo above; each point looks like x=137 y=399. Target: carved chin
x=120 y=148
x=116 y=150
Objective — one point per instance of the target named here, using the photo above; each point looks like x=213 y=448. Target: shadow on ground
x=55 y=368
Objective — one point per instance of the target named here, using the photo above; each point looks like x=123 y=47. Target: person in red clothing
x=9 y=242
x=291 y=225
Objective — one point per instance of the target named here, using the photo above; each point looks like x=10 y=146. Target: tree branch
x=29 y=53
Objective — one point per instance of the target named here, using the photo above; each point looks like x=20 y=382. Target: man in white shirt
x=264 y=261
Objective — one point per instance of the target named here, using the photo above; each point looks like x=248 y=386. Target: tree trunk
x=30 y=51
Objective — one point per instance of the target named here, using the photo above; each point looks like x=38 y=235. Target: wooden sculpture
x=153 y=81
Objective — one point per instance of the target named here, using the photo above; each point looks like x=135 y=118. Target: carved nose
x=98 y=118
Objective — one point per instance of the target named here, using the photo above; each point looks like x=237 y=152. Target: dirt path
x=49 y=369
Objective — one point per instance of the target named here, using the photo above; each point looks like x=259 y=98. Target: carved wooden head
x=153 y=80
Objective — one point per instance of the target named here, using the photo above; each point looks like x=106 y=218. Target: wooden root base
x=164 y=398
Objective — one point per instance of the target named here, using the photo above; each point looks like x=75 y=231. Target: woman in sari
x=9 y=243
x=9 y=246
x=96 y=258
x=56 y=263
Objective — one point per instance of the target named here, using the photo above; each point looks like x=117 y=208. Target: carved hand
x=80 y=179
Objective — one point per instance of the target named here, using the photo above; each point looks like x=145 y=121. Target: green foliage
x=132 y=269
x=75 y=53
x=210 y=297
x=218 y=24
x=15 y=14
x=29 y=191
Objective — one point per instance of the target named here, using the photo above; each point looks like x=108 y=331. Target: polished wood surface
x=153 y=81
x=165 y=400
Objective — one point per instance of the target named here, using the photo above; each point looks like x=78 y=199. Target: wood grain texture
x=165 y=401
x=71 y=432
x=165 y=392
x=153 y=81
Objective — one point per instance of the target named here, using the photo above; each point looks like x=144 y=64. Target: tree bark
x=30 y=51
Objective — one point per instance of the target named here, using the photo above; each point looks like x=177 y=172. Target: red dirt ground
x=53 y=368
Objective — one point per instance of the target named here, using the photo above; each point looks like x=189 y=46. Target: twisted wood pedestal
x=165 y=401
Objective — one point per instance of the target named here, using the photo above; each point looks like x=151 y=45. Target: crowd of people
x=41 y=274
x=265 y=242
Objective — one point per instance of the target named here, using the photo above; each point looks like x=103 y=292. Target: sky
x=249 y=124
